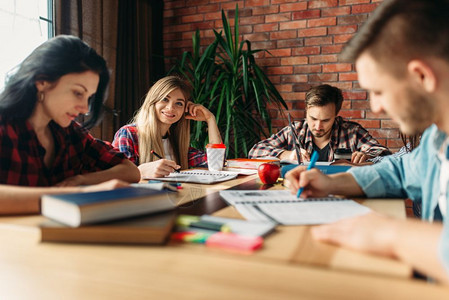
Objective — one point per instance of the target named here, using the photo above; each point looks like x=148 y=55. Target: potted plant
x=227 y=80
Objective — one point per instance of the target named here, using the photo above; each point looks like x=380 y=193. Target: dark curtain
x=128 y=34
x=95 y=22
x=139 y=54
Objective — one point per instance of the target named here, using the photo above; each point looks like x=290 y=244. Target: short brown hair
x=324 y=94
x=401 y=30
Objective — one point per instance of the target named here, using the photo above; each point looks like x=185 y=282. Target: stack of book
x=114 y=216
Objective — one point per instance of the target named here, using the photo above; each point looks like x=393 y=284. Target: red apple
x=269 y=173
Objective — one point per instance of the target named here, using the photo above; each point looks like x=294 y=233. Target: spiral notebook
x=284 y=208
x=200 y=176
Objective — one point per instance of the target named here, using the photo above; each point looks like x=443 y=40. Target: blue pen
x=311 y=165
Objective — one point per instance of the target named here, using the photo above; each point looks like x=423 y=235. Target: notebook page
x=200 y=176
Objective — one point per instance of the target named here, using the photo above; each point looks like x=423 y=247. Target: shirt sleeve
x=197 y=158
x=273 y=146
x=369 y=145
x=443 y=249
x=126 y=142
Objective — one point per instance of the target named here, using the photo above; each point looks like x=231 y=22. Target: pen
x=160 y=157
x=295 y=140
x=310 y=166
x=196 y=222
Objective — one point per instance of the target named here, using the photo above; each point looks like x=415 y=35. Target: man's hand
x=359 y=157
x=158 y=168
x=371 y=233
x=291 y=155
x=107 y=185
x=315 y=183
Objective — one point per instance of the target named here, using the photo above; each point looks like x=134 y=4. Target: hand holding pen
x=160 y=157
x=311 y=165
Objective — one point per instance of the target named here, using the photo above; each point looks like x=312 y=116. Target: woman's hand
x=198 y=112
x=158 y=168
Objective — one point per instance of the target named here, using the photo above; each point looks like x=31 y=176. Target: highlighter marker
x=310 y=166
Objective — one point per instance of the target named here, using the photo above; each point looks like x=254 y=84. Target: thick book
x=247 y=163
x=85 y=208
x=149 y=229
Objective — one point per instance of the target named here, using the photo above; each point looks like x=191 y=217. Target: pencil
x=160 y=157
x=310 y=166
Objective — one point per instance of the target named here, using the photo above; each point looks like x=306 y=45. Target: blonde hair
x=149 y=126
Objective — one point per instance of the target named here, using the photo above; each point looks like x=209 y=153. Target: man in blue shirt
x=402 y=59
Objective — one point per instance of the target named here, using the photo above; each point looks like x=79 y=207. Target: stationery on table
x=160 y=157
x=200 y=176
x=311 y=165
x=248 y=163
x=159 y=185
x=148 y=229
x=284 y=208
x=84 y=208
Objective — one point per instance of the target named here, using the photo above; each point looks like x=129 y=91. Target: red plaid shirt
x=126 y=140
x=345 y=134
x=76 y=152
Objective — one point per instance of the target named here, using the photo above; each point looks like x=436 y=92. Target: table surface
x=290 y=265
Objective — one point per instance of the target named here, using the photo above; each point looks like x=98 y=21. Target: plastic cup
x=215 y=156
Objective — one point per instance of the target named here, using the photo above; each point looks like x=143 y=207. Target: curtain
x=95 y=22
x=139 y=54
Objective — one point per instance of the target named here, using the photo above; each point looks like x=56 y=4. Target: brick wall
x=304 y=38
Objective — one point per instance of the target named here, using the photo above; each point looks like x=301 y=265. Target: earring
x=41 y=97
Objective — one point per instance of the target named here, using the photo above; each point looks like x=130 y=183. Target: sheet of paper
x=200 y=176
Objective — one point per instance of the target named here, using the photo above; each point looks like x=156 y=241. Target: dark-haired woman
x=42 y=149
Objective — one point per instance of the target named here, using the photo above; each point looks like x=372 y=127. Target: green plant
x=227 y=80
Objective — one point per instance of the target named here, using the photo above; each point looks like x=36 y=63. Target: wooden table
x=290 y=266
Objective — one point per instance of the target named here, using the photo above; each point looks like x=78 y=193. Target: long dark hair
x=53 y=59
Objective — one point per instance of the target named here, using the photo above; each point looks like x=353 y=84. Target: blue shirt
x=415 y=176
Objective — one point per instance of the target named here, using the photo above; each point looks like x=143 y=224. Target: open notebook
x=200 y=176
x=284 y=208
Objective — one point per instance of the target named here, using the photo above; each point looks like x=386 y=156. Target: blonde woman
x=161 y=128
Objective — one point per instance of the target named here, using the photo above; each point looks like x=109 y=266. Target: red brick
x=230 y=6
x=312 y=32
x=342 y=38
x=352 y=19
x=291 y=96
x=281 y=52
x=365 y=105
x=346 y=105
x=208 y=8
x=352 y=114
x=283 y=35
x=192 y=18
x=251 y=3
x=369 y=123
x=280 y=70
x=294 y=78
x=306 y=14
x=281 y=1
x=385 y=133
x=278 y=18
x=343 y=67
x=265 y=10
x=306 y=50
x=196 y=2
x=323 y=77
x=213 y=16
x=366 y=8
x=266 y=27
x=389 y=124
x=307 y=69
x=354 y=95
x=284 y=88
x=256 y=36
x=293 y=25
x=347 y=76
x=293 y=7
x=252 y=20
x=297 y=114
x=173 y=4
x=331 y=49
x=337 y=11
x=342 y=29
x=371 y=115
x=272 y=62
x=202 y=25
x=318 y=41
x=323 y=59
x=323 y=3
x=274 y=79
x=244 y=29
x=322 y=22
x=395 y=143
x=296 y=60
x=351 y=2
x=302 y=86
x=185 y=11
x=264 y=45
x=291 y=43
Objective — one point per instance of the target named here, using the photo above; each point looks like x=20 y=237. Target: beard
x=419 y=113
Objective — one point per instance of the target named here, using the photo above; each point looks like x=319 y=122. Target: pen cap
x=215 y=156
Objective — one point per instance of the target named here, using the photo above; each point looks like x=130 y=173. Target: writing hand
x=359 y=157
x=315 y=183
x=158 y=168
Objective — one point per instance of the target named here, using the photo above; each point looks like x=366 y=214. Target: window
x=24 y=25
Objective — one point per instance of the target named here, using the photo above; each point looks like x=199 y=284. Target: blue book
x=324 y=169
x=85 y=208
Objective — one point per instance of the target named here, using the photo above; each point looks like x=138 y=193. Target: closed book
x=149 y=229
x=85 y=208
x=247 y=163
